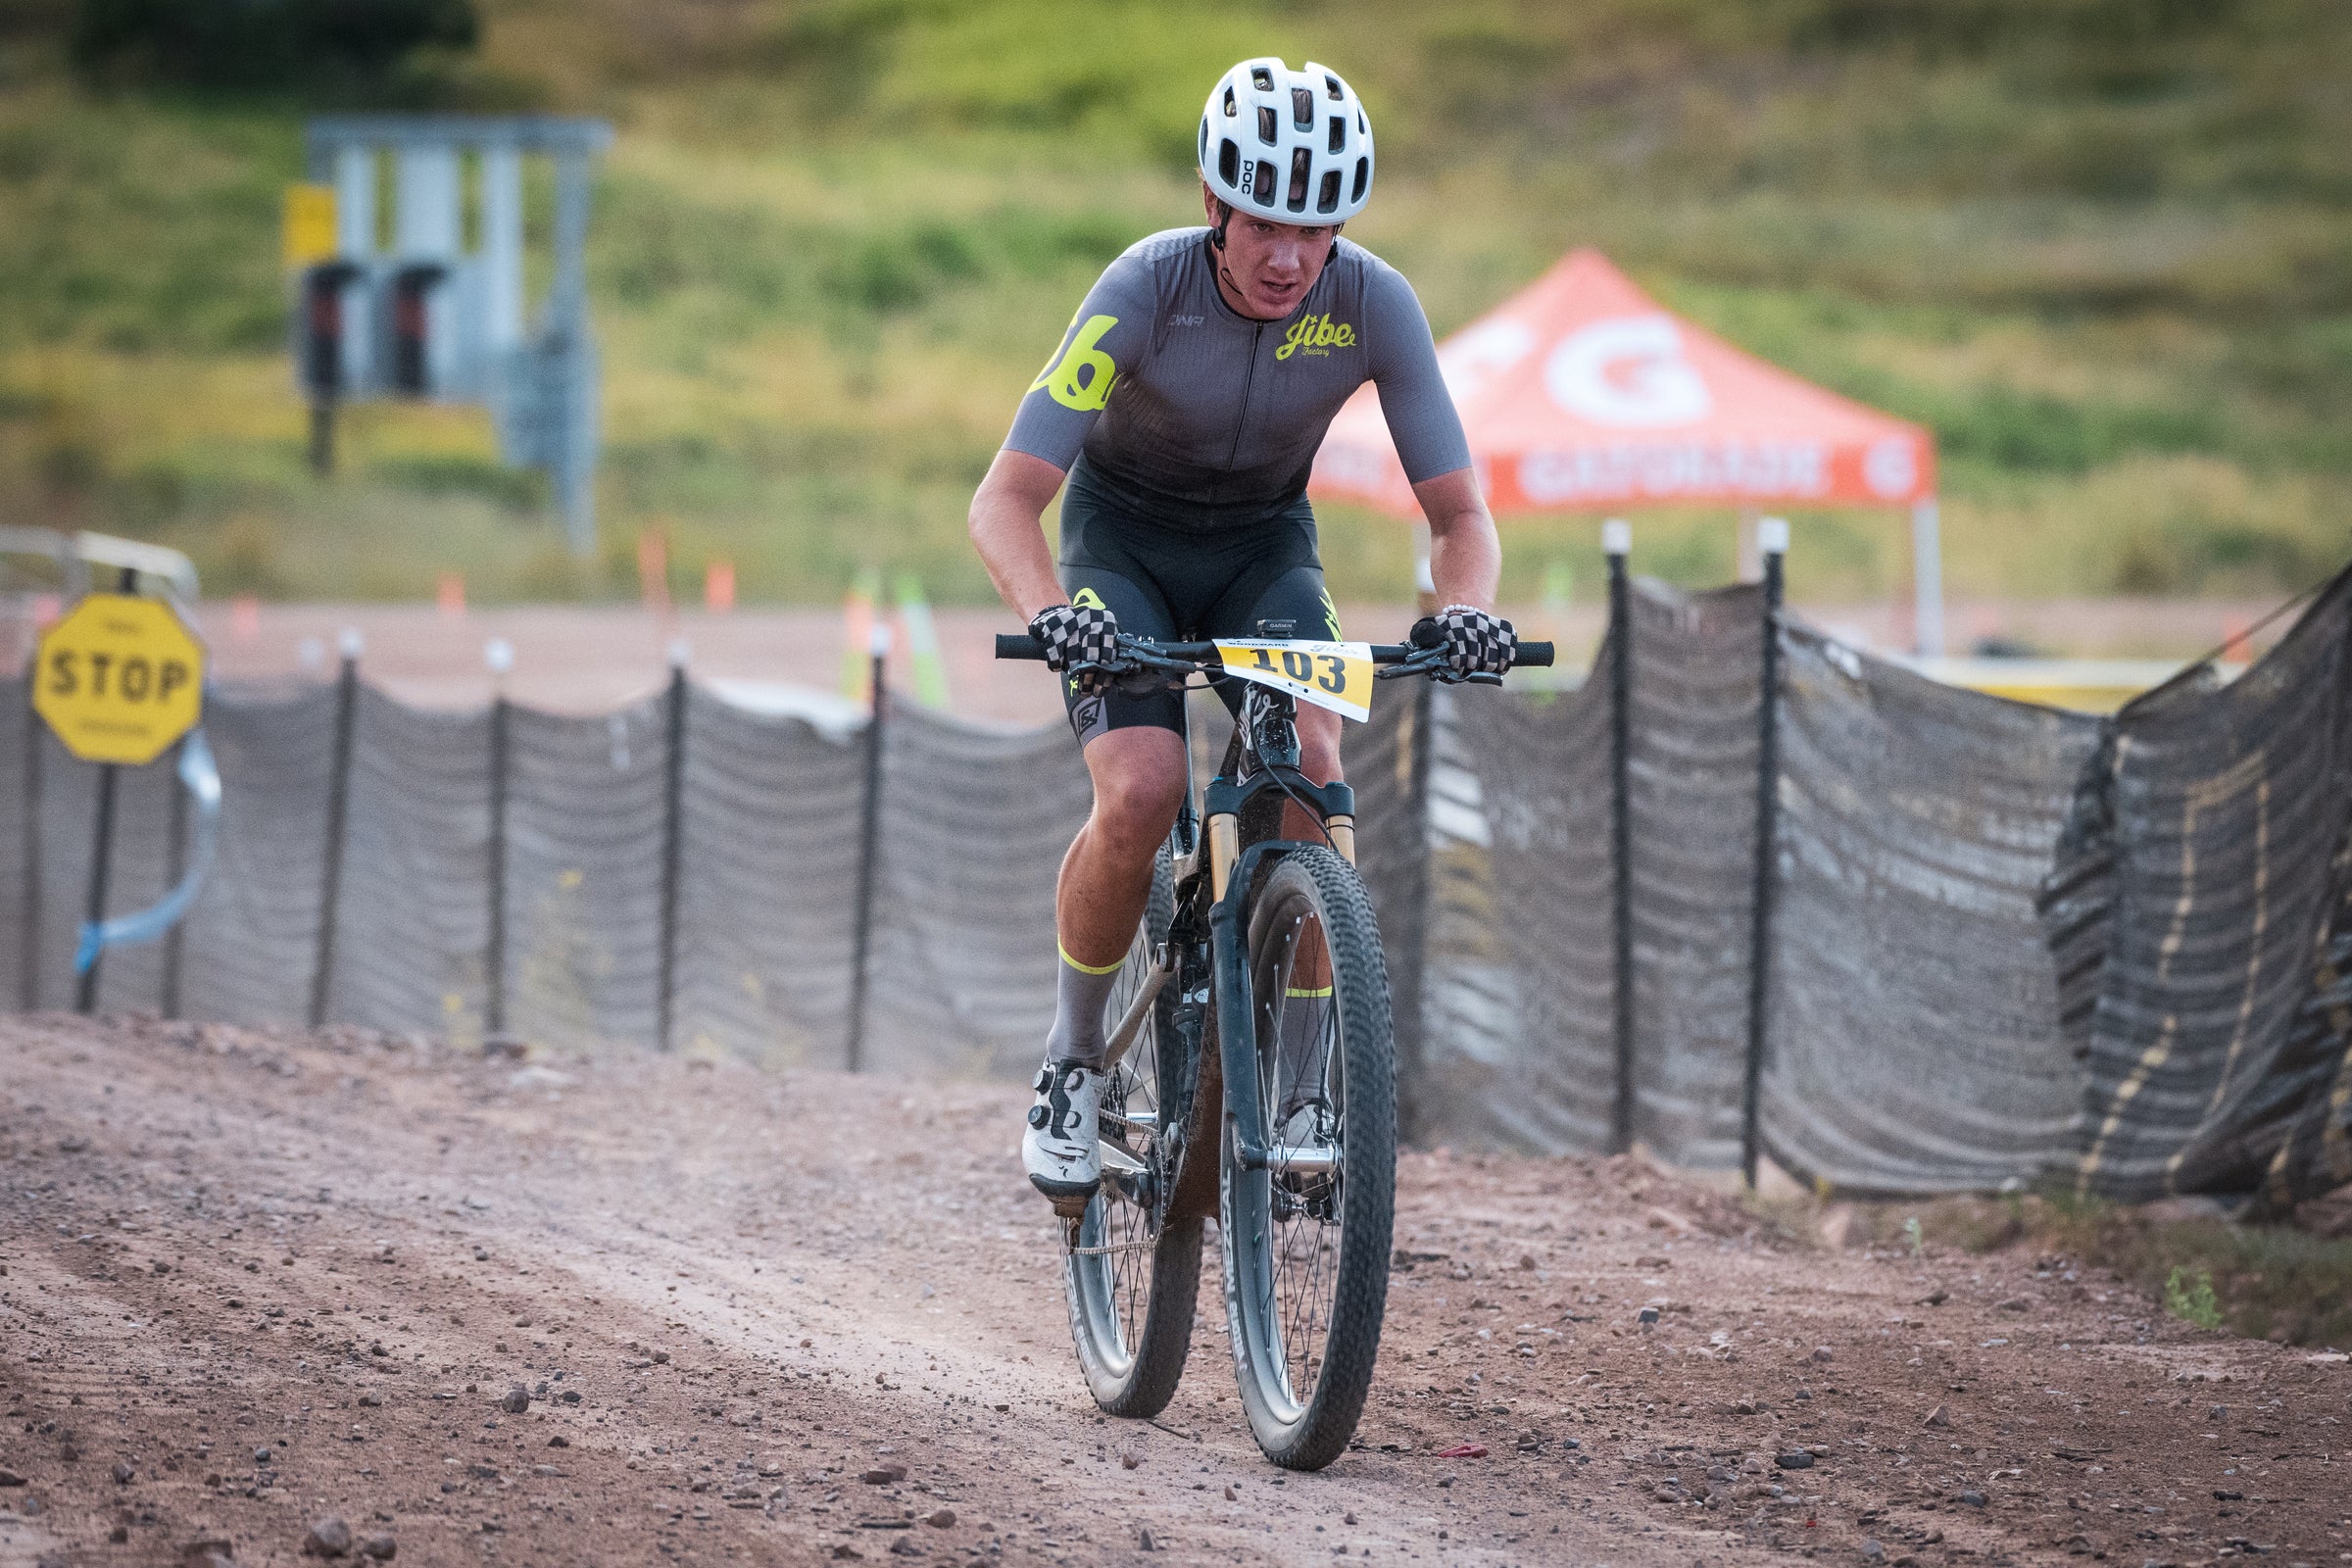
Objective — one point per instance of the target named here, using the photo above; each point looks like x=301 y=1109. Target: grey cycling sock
x=1079 y=993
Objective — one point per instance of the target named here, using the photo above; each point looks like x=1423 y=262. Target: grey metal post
x=500 y=656
x=175 y=865
x=28 y=933
x=338 y=809
x=869 y=844
x=673 y=830
x=1617 y=539
x=102 y=853
x=574 y=417
x=1773 y=535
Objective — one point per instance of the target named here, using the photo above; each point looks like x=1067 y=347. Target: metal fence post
x=175 y=865
x=499 y=655
x=28 y=933
x=869 y=842
x=1617 y=539
x=1773 y=536
x=338 y=802
x=674 y=828
x=102 y=853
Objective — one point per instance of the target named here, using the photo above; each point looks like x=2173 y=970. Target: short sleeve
x=1414 y=397
x=1110 y=332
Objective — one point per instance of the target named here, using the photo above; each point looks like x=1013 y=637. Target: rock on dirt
x=516 y=1400
x=330 y=1537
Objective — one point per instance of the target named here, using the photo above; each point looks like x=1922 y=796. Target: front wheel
x=1307 y=1248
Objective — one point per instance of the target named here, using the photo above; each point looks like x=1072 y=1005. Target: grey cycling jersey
x=1192 y=416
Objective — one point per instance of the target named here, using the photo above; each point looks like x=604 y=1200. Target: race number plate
x=1333 y=675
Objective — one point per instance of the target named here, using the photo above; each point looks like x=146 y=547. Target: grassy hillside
x=2103 y=247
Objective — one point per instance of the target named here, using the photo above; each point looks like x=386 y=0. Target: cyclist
x=1183 y=410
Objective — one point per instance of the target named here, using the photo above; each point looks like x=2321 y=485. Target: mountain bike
x=1251 y=1066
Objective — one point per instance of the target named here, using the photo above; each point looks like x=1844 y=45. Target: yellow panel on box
x=308 y=230
x=119 y=678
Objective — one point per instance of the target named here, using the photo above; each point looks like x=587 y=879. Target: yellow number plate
x=1333 y=675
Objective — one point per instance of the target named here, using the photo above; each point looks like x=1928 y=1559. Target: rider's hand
x=1476 y=642
x=1075 y=636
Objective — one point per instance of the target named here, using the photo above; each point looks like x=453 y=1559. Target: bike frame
x=1213 y=874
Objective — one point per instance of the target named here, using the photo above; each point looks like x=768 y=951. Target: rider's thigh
x=1140 y=780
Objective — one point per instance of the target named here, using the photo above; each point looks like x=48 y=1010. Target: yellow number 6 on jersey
x=1065 y=379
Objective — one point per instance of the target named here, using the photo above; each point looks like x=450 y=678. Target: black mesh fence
x=1999 y=942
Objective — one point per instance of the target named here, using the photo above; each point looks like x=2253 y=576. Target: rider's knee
x=1138 y=804
x=1319 y=751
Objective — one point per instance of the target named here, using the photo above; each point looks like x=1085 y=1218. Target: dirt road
x=634 y=1310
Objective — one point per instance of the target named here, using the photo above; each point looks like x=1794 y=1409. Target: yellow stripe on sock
x=1294 y=991
x=1088 y=969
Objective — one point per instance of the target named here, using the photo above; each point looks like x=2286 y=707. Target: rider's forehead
x=1289 y=230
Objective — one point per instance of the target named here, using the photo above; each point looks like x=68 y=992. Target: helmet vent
x=1229 y=163
x=1230 y=110
x=1330 y=86
x=1329 y=200
x=1360 y=122
x=1302 y=166
x=1265 y=125
x=1339 y=133
x=1363 y=178
x=1201 y=152
x=1261 y=78
x=1266 y=184
x=1302 y=108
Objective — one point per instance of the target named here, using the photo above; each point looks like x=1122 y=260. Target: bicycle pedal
x=1071 y=1210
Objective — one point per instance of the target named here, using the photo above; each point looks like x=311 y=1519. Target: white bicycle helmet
x=1290 y=145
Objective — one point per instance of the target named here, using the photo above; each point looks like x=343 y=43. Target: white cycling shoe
x=1062 y=1147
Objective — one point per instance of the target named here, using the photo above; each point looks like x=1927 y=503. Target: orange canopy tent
x=1580 y=393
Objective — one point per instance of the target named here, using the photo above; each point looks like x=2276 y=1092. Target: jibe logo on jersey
x=1079 y=376
x=1316 y=335
x=1333 y=675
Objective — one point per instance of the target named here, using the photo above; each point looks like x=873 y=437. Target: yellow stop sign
x=119 y=678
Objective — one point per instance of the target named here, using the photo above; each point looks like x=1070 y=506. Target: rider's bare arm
x=1465 y=557
x=1007 y=528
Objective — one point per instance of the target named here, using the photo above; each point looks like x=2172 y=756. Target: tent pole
x=1927 y=578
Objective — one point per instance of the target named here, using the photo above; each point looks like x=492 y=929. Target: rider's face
x=1267 y=268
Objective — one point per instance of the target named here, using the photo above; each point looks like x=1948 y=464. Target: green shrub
x=265 y=45
x=2192 y=1302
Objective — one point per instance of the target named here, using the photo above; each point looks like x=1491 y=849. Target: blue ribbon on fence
x=201 y=777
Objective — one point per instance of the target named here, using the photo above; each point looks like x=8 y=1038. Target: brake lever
x=1428 y=662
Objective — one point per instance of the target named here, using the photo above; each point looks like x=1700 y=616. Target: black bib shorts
x=1177 y=584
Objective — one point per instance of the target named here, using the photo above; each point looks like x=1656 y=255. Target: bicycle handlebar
x=1020 y=645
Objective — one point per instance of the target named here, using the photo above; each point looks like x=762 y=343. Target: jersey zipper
x=1257 y=333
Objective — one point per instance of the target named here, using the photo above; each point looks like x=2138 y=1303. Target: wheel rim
x=1303 y=1097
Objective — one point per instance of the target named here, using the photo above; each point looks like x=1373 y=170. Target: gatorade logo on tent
x=1627 y=374
x=1471 y=360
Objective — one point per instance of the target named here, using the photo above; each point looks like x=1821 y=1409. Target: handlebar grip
x=1536 y=653
x=1020 y=645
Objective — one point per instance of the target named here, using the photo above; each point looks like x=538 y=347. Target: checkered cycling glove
x=1476 y=642
x=1075 y=636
